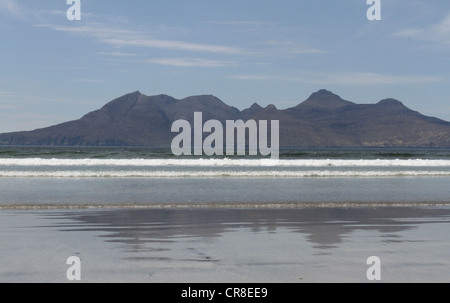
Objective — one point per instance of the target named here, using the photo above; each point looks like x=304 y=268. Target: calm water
x=136 y=177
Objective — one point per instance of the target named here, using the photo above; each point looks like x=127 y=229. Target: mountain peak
x=255 y=106
x=205 y=101
x=134 y=95
x=250 y=112
x=324 y=99
x=202 y=99
x=323 y=93
x=390 y=102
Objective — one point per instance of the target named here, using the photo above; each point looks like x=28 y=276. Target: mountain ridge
x=324 y=99
x=322 y=120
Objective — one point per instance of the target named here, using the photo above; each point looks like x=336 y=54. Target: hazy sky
x=242 y=51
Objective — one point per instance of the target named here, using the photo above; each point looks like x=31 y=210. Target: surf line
x=236 y=135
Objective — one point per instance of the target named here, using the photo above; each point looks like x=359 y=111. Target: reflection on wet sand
x=325 y=228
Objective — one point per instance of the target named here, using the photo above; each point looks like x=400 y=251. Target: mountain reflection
x=323 y=227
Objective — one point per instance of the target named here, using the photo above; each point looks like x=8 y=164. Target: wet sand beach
x=320 y=244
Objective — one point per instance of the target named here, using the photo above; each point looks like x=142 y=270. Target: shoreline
x=223 y=206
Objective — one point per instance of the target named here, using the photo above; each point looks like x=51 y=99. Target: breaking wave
x=226 y=162
x=219 y=174
x=220 y=168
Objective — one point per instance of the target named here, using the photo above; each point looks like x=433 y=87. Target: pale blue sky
x=242 y=51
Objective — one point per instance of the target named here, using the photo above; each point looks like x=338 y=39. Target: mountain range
x=323 y=120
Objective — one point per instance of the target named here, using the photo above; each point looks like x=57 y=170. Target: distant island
x=323 y=120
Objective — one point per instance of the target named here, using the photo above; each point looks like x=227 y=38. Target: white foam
x=226 y=162
x=219 y=174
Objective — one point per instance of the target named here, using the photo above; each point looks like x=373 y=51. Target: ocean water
x=144 y=215
x=84 y=177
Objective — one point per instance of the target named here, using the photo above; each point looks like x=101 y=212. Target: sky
x=277 y=52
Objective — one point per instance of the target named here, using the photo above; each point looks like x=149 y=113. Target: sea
x=138 y=177
x=133 y=214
